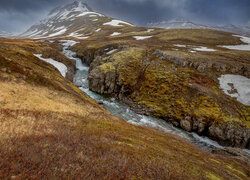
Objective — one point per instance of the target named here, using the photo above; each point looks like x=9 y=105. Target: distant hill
x=183 y=24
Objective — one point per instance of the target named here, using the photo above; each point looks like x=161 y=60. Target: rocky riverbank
x=206 y=112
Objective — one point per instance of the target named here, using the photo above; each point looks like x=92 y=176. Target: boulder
x=186 y=125
x=230 y=134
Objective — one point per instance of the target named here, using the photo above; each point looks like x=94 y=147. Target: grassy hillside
x=50 y=129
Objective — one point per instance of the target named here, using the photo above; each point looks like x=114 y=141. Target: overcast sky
x=18 y=15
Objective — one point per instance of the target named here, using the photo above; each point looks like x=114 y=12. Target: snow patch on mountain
x=117 y=23
x=88 y=13
x=77 y=35
x=58 y=33
x=60 y=28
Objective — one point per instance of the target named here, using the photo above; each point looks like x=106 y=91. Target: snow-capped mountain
x=70 y=20
x=243 y=30
x=182 y=24
x=175 y=24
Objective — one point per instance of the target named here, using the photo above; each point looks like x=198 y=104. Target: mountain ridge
x=187 y=24
x=5 y=34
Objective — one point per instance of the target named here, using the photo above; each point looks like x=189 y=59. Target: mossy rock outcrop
x=181 y=95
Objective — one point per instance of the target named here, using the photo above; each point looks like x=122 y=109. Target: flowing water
x=123 y=111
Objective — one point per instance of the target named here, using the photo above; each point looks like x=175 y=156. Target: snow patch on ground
x=242 y=47
x=112 y=51
x=150 y=30
x=236 y=86
x=141 y=37
x=115 y=34
x=180 y=45
x=201 y=48
x=60 y=66
x=95 y=20
x=117 y=23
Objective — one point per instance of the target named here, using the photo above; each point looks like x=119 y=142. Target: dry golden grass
x=54 y=131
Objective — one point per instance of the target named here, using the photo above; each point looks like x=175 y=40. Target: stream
x=123 y=111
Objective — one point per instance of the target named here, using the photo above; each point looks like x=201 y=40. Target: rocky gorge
x=111 y=75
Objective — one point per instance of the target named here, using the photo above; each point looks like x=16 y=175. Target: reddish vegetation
x=57 y=132
x=204 y=81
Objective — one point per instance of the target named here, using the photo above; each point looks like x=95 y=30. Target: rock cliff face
x=234 y=152
x=203 y=65
x=126 y=75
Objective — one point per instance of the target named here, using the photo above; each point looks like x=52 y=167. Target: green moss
x=169 y=91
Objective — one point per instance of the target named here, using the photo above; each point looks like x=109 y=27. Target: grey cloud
x=18 y=15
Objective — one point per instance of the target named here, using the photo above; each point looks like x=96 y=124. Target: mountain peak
x=76 y=6
x=69 y=20
x=62 y=19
